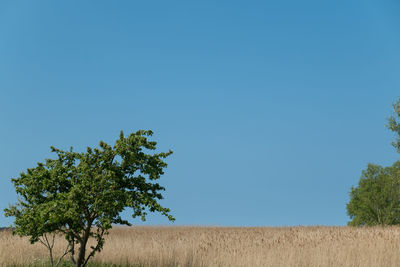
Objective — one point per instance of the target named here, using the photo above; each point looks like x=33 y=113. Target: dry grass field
x=230 y=246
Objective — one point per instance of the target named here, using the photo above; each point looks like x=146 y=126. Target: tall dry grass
x=229 y=246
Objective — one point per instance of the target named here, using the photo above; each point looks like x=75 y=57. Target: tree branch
x=99 y=245
x=67 y=250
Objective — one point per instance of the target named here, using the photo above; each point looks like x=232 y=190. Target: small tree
x=81 y=195
x=376 y=200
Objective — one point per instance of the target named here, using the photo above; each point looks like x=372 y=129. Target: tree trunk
x=81 y=255
x=73 y=250
x=82 y=249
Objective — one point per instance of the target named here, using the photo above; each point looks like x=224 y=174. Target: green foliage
x=376 y=200
x=394 y=124
x=81 y=195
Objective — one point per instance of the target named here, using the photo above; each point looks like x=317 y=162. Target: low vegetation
x=227 y=246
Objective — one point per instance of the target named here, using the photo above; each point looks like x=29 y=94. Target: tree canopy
x=81 y=195
x=376 y=199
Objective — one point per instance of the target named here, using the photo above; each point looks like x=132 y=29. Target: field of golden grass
x=229 y=246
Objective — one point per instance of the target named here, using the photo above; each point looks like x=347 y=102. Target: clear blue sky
x=272 y=108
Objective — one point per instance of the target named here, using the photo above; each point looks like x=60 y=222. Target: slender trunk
x=81 y=255
x=73 y=250
x=82 y=249
x=51 y=256
x=49 y=246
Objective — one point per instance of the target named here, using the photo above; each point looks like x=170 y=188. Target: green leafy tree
x=81 y=195
x=376 y=199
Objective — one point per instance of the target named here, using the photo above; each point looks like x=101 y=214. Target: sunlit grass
x=226 y=246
